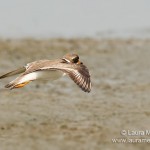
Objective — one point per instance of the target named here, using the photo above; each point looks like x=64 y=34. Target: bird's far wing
x=12 y=73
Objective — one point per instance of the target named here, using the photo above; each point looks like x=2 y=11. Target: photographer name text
x=135 y=132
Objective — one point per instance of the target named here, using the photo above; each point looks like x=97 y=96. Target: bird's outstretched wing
x=12 y=73
x=79 y=73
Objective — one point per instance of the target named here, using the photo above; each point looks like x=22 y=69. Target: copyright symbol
x=123 y=132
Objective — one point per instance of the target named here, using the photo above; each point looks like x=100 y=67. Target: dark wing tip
x=18 y=71
x=8 y=85
x=3 y=76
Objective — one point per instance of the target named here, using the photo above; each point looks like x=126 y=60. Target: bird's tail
x=16 y=84
x=13 y=83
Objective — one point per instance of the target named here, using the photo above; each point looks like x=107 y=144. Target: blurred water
x=71 y=18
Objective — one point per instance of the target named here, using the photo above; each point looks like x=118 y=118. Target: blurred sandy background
x=58 y=115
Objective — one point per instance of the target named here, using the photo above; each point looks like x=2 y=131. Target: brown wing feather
x=77 y=72
x=81 y=77
x=41 y=65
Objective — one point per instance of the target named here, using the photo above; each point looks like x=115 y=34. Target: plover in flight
x=52 y=69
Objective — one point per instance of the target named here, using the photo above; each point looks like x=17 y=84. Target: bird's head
x=72 y=58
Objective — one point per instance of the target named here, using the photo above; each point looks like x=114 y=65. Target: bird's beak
x=79 y=62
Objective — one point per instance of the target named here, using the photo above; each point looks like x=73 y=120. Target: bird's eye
x=75 y=59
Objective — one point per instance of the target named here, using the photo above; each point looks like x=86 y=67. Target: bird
x=69 y=65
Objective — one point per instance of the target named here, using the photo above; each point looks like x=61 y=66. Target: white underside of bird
x=40 y=75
